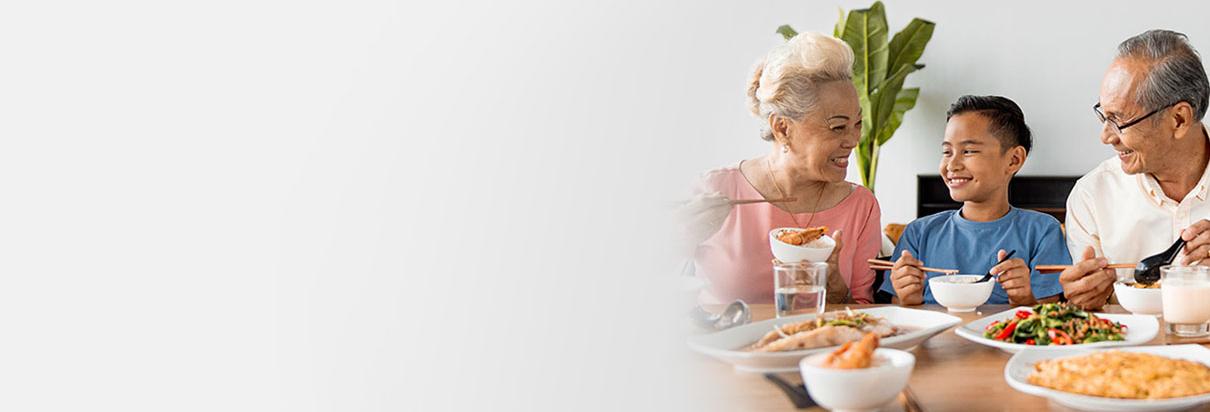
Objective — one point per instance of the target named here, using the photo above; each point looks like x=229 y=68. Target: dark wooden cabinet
x=1046 y=194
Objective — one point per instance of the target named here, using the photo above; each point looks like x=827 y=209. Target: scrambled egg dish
x=1126 y=375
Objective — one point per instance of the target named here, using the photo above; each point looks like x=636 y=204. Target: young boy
x=986 y=143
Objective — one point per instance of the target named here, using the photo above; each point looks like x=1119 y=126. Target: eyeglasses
x=1118 y=128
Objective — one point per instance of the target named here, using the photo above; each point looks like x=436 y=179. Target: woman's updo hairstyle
x=784 y=82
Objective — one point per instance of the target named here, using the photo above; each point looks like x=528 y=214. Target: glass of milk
x=1185 y=292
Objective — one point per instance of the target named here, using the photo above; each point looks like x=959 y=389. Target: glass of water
x=799 y=287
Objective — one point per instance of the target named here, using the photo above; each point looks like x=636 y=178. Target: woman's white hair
x=784 y=82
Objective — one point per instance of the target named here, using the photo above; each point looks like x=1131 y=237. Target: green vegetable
x=1050 y=321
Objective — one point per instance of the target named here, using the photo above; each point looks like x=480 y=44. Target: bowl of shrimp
x=858 y=376
x=792 y=244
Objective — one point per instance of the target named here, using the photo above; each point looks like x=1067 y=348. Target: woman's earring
x=785 y=148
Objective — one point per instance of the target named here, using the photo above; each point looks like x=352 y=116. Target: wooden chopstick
x=886 y=264
x=910 y=404
x=1060 y=268
x=926 y=269
x=747 y=201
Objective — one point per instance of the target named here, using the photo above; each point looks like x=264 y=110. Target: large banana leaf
x=905 y=100
x=907 y=45
x=866 y=33
x=883 y=100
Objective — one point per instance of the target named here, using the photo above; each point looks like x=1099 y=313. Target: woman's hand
x=699 y=219
x=838 y=291
x=703 y=215
x=907 y=278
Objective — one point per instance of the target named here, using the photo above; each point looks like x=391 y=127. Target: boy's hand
x=1013 y=275
x=908 y=279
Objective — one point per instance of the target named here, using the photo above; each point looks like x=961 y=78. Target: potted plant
x=879 y=69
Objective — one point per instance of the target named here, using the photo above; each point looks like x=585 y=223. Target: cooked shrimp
x=802 y=237
x=853 y=355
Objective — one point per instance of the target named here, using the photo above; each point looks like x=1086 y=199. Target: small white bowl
x=788 y=253
x=1139 y=301
x=957 y=292
x=858 y=389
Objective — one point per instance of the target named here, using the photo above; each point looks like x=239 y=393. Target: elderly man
x=1152 y=101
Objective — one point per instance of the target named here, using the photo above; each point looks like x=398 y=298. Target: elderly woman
x=804 y=93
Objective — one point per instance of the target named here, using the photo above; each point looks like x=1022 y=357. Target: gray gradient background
x=413 y=206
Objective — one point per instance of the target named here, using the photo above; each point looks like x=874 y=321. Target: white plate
x=1017 y=371
x=1139 y=330
x=728 y=345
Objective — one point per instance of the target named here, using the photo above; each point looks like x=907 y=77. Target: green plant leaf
x=909 y=43
x=866 y=33
x=838 y=31
x=883 y=101
x=884 y=98
x=904 y=100
x=863 y=161
x=786 y=31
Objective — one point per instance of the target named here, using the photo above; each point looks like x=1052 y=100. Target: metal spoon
x=1148 y=269
x=735 y=314
x=988 y=276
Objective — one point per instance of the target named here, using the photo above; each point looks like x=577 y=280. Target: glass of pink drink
x=1185 y=293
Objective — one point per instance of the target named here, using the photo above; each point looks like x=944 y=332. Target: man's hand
x=907 y=278
x=1197 y=238
x=1088 y=284
x=1013 y=275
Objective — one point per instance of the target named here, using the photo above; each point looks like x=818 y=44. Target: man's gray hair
x=1176 y=73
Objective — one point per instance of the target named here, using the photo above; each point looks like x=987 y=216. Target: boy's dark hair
x=1007 y=120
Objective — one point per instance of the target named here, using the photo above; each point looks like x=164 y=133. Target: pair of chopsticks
x=797 y=393
x=747 y=201
x=1060 y=268
x=879 y=264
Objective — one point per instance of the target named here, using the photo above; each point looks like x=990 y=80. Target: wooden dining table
x=951 y=373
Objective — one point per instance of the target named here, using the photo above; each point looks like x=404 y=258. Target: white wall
x=1048 y=56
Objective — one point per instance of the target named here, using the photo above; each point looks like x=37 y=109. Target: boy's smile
x=956 y=181
x=973 y=165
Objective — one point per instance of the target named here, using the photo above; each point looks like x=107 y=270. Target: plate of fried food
x=1054 y=326
x=1143 y=378
x=776 y=345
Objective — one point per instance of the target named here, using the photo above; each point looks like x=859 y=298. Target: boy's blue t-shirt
x=947 y=240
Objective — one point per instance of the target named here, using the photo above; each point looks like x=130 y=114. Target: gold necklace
x=814 y=209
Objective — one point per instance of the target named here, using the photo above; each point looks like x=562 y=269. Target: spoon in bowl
x=1148 y=269
x=735 y=314
x=988 y=276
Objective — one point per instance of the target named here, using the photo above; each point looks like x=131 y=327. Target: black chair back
x=880 y=276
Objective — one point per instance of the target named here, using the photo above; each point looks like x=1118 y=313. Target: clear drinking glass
x=799 y=287
x=1185 y=291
